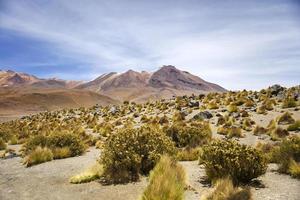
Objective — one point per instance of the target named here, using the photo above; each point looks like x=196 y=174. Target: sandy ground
x=272 y=185
x=50 y=181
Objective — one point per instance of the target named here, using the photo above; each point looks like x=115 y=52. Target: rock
x=113 y=110
x=203 y=115
x=193 y=103
x=275 y=89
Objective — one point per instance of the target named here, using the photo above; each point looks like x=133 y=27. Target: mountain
x=10 y=78
x=166 y=82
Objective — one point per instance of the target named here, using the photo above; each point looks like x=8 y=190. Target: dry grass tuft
x=225 y=190
x=37 y=156
x=167 y=181
x=88 y=175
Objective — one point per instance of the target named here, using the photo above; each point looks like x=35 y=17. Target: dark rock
x=203 y=115
x=193 y=104
x=275 y=89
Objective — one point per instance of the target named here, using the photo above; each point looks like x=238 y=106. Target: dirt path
x=274 y=186
x=50 y=181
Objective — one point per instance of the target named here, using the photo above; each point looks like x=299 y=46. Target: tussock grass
x=286 y=118
x=37 y=156
x=167 y=181
x=88 y=175
x=2 y=144
x=294 y=169
x=295 y=126
x=189 y=154
x=225 y=190
x=63 y=152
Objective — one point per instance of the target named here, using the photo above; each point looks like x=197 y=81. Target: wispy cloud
x=232 y=43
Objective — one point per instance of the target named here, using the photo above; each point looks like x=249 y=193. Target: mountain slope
x=166 y=82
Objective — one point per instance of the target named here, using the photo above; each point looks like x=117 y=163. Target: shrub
x=61 y=152
x=288 y=149
x=167 y=181
x=286 y=118
x=69 y=140
x=247 y=124
x=88 y=175
x=289 y=103
x=130 y=152
x=2 y=144
x=278 y=133
x=295 y=126
x=230 y=131
x=228 y=158
x=259 y=130
x=33 y=142
x=37 y=156
x=225 y=190
x=294 y=169
x=261 y=109
x=13 y=140
x=188 y=154
x=268 y=150
x=178 y=116
x=189 y=135
x=232 y=108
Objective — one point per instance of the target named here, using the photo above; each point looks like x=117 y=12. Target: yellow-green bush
x=286 y=118
x=232 y=108
x=288 y=149
x=289 y=102
x=61 y=152
x=225 y=190
x=188 y=154
x=130 y=152
x=167 y=181
x=37 y=156
x=2 y=144
x=191 y=135
x=259 y=130
x=278 y=133
x=230 y=131
x=240 y=162
x=90 y=174
x=294 y=169
x=295 y=126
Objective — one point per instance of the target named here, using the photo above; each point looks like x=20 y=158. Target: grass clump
x=288 y=150
x=230 y=131
x=240 y=162
x=192 y=135
x=286 y=118
x=225 y=190
x=3 y=145
x=294 y=169
x=167 y=181
x=130 y=152
x=61 y=152
x=39 y=155
x=188 y=154
x=278 y=133
x=232 y=108
x=88 y=175
x=259 y=130
x=289 y=103
x=295 y=126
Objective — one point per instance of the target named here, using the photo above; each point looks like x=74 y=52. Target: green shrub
x=33 y=142
x=288 y=149
x=230 y=131
x=37 y=156
x=167 y=181
x=2 y=144
x=72 y=141
x=294 y=169
x=289 y=103
x=61 y=152
x=191 y=135
x=129 y=152
x=295 y=126
x=88 y=175
x=225 y=190
x=259 y=130
x=228 y=158
x=188 y=154
x=286 y=118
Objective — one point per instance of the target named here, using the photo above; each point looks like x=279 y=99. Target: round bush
x=129 y=152
x=229 y=158
x=72 y=141
x=189 y=135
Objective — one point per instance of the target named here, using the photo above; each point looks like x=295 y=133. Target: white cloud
x=220 y=43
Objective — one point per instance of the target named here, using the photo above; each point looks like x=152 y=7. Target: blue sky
x=237 y=44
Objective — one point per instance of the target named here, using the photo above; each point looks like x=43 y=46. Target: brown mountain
x=166 y=82
x=10 y=78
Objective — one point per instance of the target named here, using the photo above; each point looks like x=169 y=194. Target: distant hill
x=166 y=82
x=24 y=93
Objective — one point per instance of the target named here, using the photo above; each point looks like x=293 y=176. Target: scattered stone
x=203 y=115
